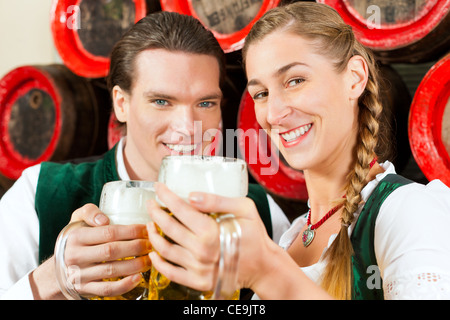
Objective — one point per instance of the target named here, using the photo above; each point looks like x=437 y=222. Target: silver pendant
x=308 y=236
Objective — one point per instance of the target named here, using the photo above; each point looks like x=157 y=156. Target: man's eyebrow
x=165 y=96
x=213 y=96
x=280 y=71
x=157 y=94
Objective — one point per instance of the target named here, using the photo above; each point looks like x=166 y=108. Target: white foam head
x=213 y=174
x=124 y=202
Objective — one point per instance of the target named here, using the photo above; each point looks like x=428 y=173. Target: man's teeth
x=183 y=148
x=290 y=136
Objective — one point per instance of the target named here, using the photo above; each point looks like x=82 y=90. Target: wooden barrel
x=409 y=31
x=267 y=166
x=49 y=113
x=429 y=123
x=85 y=31
x=229 y=20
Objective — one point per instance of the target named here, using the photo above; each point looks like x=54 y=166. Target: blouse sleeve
x=412 y=242
x=19 y=236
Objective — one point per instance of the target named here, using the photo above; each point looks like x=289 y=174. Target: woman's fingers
x=194 y=220
x=192 y=236
x=207 y=202
x=175 y=273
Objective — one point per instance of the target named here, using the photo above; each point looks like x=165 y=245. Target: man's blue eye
x=205 y=104
x=160 y=102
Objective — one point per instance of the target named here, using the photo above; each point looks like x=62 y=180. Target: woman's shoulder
x=417 y=198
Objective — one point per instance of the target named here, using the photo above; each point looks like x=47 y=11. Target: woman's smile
x=295 y=136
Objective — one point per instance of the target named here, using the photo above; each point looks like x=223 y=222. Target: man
x=165 y=80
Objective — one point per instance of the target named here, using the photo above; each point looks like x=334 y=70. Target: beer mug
x=212 y=174
x=124 y=202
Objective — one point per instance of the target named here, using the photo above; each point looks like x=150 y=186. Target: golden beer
x=124 y=202
x=222 y=176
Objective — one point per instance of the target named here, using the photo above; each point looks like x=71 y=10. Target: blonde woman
x=369 y=233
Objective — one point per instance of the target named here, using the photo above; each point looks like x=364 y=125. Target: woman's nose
x=277 y=109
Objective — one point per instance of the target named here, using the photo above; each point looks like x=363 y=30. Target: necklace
x=309 y=233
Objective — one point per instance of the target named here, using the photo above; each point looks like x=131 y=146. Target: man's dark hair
x=161 y=30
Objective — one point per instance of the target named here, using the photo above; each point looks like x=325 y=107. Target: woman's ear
x=358 y=74
x=121 y=103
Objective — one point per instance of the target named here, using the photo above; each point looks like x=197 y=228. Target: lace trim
x=426 y=285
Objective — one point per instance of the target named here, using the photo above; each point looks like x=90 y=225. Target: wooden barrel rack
x=429 y=123
x=229 y=20
x=85 y=31
x=407 y=31
x=49 y=113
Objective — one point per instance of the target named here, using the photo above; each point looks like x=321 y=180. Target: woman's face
x=309 y=110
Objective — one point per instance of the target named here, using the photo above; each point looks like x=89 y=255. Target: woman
x=369 y=233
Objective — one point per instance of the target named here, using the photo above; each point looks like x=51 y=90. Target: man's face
x=173 y=108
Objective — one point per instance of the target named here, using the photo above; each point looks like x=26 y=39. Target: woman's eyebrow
x=285 y=68
x=279 y=72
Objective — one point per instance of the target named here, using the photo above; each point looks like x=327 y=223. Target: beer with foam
x=212 y=174
x=124 y=202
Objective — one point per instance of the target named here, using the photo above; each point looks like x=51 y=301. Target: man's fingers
x=108 y=233
x=111 y=270
x=90 y=214
x=106 y=252
x=109 y=288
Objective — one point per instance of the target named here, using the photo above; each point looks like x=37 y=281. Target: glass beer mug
x=212 y=174
x=124 y=202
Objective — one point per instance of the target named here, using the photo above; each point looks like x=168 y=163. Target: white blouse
x=412 y=240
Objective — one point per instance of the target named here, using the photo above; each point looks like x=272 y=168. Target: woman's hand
x=92 y=253
x=195 y=251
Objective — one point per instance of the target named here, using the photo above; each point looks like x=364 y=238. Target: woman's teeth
x=183 y=148
x=294 y=134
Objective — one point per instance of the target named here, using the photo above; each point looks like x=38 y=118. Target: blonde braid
x=338 y=274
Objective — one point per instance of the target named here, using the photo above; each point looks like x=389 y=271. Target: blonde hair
x=335 y=39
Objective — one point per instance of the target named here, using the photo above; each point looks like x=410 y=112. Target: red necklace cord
x=332 y=211
x=373 y=162
x=324 y=218
x=308 y=235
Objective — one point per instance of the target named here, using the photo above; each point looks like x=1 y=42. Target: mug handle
x=63 y=272
x=230 y=236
